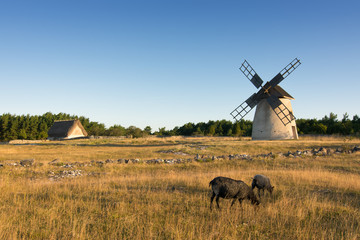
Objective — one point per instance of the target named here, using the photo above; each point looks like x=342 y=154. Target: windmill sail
x=250 y=73
x=244 y=108
x=285 y=72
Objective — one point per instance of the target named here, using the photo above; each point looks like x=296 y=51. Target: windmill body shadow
x=274 y=118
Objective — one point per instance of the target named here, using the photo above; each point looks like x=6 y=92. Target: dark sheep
x=229 y=188
x=262 y=182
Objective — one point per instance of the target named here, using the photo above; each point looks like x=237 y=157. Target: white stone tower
x=268 y=126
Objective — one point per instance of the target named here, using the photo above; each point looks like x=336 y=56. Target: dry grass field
x=82 y=196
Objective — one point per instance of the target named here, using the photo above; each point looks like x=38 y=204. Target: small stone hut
x=67 y=129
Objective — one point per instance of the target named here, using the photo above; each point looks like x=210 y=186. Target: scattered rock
x=136 y=160
x=170 y=161
x=322 y=151
x=27 y=162
x=127 y=161
x=121 y=160
x=67 y=166
x=243 y=157
x=82 y=164
x=356 y=149
x=55 y=161
x=338 y=150
x=307 y=153
x=330 y=151
x=64 y=174
x=12 y=164
x=159 y=160
x=298 y=153
x=280 y=154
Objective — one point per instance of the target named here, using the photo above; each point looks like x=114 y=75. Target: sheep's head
x=254 y=200
x=271 y=189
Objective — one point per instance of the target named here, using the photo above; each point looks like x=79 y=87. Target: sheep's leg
x=211 y=200
x=241 y=208
x=217 y=201
x=259 y=192
x=232 y=203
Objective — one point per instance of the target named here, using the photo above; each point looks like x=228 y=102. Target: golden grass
x=314 y=197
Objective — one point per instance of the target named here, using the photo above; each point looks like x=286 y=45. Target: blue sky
x=166 y=63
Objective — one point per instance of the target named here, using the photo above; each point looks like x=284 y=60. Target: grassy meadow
x=315 y=197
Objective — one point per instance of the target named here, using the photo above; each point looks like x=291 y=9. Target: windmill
x=273 y=118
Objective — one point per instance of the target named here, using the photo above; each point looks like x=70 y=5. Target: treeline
x=330 y=125
x=36 y=127
x=211 y=128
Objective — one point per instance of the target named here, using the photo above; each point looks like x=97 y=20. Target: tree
x=237 y=132
x=13 y=127
x=4 y=125
x=43 y=130
x=319 y=128
x=147 y=130
x=161 y=132
x=33 y=127
x=187 y=129
x=96 y=129
x=198 y=132
x=116 y=130
x=212 y=129
x=22 y=134
x=134 y=132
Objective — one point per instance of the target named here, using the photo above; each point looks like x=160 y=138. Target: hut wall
x=76 y=132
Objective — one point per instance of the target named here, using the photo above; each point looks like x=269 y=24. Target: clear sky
x=164 y=63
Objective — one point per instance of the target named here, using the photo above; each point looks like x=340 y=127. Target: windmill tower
x=273 y=118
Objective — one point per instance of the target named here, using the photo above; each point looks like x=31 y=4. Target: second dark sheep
x=262 y=182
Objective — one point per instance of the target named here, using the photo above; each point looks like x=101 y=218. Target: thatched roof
x=64 y=129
